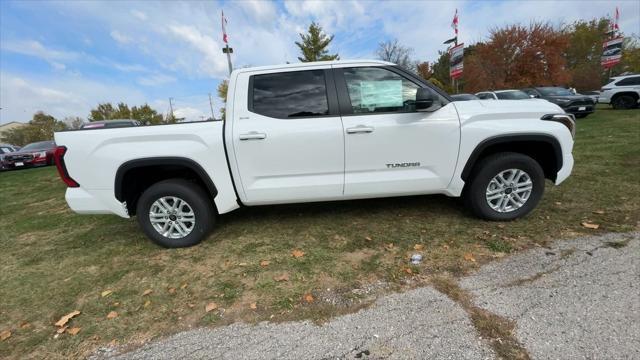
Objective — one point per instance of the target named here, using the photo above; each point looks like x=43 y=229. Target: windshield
x=555 y=91
x=512 y=95
x=42 y=145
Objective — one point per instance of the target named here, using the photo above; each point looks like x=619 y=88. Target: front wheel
x=624 y=102
x=175 y=213
x=505 y=186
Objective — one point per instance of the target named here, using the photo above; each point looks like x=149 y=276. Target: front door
x=390 y=148
x=288 y=138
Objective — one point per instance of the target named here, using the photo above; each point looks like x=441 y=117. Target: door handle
x=253 y=135
x=360 y=129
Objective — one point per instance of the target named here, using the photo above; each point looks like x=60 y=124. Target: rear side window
x=634 y=80
x=379 y=90
x=290 y=94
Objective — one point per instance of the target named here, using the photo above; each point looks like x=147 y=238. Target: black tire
x=624 y=102
x=193 y=195
x=581 y=116
x=491 y=166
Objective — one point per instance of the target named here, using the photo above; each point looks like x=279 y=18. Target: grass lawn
x=54 y=261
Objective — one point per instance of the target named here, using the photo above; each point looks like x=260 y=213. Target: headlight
x=562 y=101
x=40 y=154
x=567 y=120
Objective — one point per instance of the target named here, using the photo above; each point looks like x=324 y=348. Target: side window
x=484 y=96
x=290 y=94
x=373 y=90
x=634 y=80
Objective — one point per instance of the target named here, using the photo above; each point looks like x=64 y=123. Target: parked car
x=331 y=130
x=503 y=95
x=108 y=124
x=34 y=154
x=5 y=149
x=464 y=97
x=594 y=95
x=579 y=105
x=622 y=92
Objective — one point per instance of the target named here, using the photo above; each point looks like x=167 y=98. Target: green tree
x=314 y=45
x=440 y=71
x=222 y=94
x=584 y=51
x=145 y=114
x=40 y=128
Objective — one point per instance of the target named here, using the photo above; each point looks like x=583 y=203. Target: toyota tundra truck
x=320 y=131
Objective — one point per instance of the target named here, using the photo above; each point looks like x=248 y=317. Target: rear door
x=390 y=148
x=288 y=138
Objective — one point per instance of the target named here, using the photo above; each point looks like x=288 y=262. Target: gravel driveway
x=578 y=299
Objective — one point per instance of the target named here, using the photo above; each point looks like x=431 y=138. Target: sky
x=65 y=57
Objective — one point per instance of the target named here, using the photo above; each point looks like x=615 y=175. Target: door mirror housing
x=425 y=98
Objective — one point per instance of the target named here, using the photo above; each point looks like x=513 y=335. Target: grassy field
x=55 y=262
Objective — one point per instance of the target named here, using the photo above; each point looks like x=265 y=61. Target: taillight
x=58 y=157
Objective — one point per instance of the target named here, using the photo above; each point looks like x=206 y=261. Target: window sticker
x=381 y=93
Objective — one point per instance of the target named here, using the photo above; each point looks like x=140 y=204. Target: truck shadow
x=411 y=206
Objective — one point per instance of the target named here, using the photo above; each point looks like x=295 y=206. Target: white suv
x=622 y=92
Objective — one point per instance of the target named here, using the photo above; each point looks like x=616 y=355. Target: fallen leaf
x=265 y=263
x=501 y=226
x=172 y=290
x=242 y=264
x=112 y=315
x=558 y=203
x=65 y=319
x=147 y=292
x=388 y=246
x=308 y=298
x=408 y=270
x=74 y=330
x=418 y=247
x=368 y=238
x=147 y=303
x=283 y=277
x=590 y=225
x=445 y=246
x=183 y=286
x=599 y=212
x=253 y=306
x=62 y=329
x=190 y=305
x=210 y=307
x=116 y=304
x=106 y=293
x=25 y=325
x=297 y=253
x=5 y=334
x=469 y=257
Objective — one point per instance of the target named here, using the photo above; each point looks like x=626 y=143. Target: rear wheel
x=175 y=213
x=624 y=102
x=505 y=186
x=580 y=116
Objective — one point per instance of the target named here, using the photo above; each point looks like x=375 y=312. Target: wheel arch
x=545 y=149
x=633 y=94
x=135 y=176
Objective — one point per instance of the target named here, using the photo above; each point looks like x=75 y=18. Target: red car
x=34 y=154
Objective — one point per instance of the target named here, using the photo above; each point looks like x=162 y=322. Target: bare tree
x=393 y=51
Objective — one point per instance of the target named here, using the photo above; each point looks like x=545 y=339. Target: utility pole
x=211 y=106
x=171 y=108
x=227 y=50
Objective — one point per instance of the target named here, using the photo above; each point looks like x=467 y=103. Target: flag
x=224 y=29
x=454 y=23
x=453 y=39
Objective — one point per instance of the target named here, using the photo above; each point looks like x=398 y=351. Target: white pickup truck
x=319 y=132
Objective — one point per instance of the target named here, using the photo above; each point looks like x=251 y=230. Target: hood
x=505 y=109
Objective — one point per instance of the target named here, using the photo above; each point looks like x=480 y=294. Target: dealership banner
x=611 y=52
x=456 y=55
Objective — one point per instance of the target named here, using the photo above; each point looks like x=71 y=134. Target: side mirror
x=424 y=99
